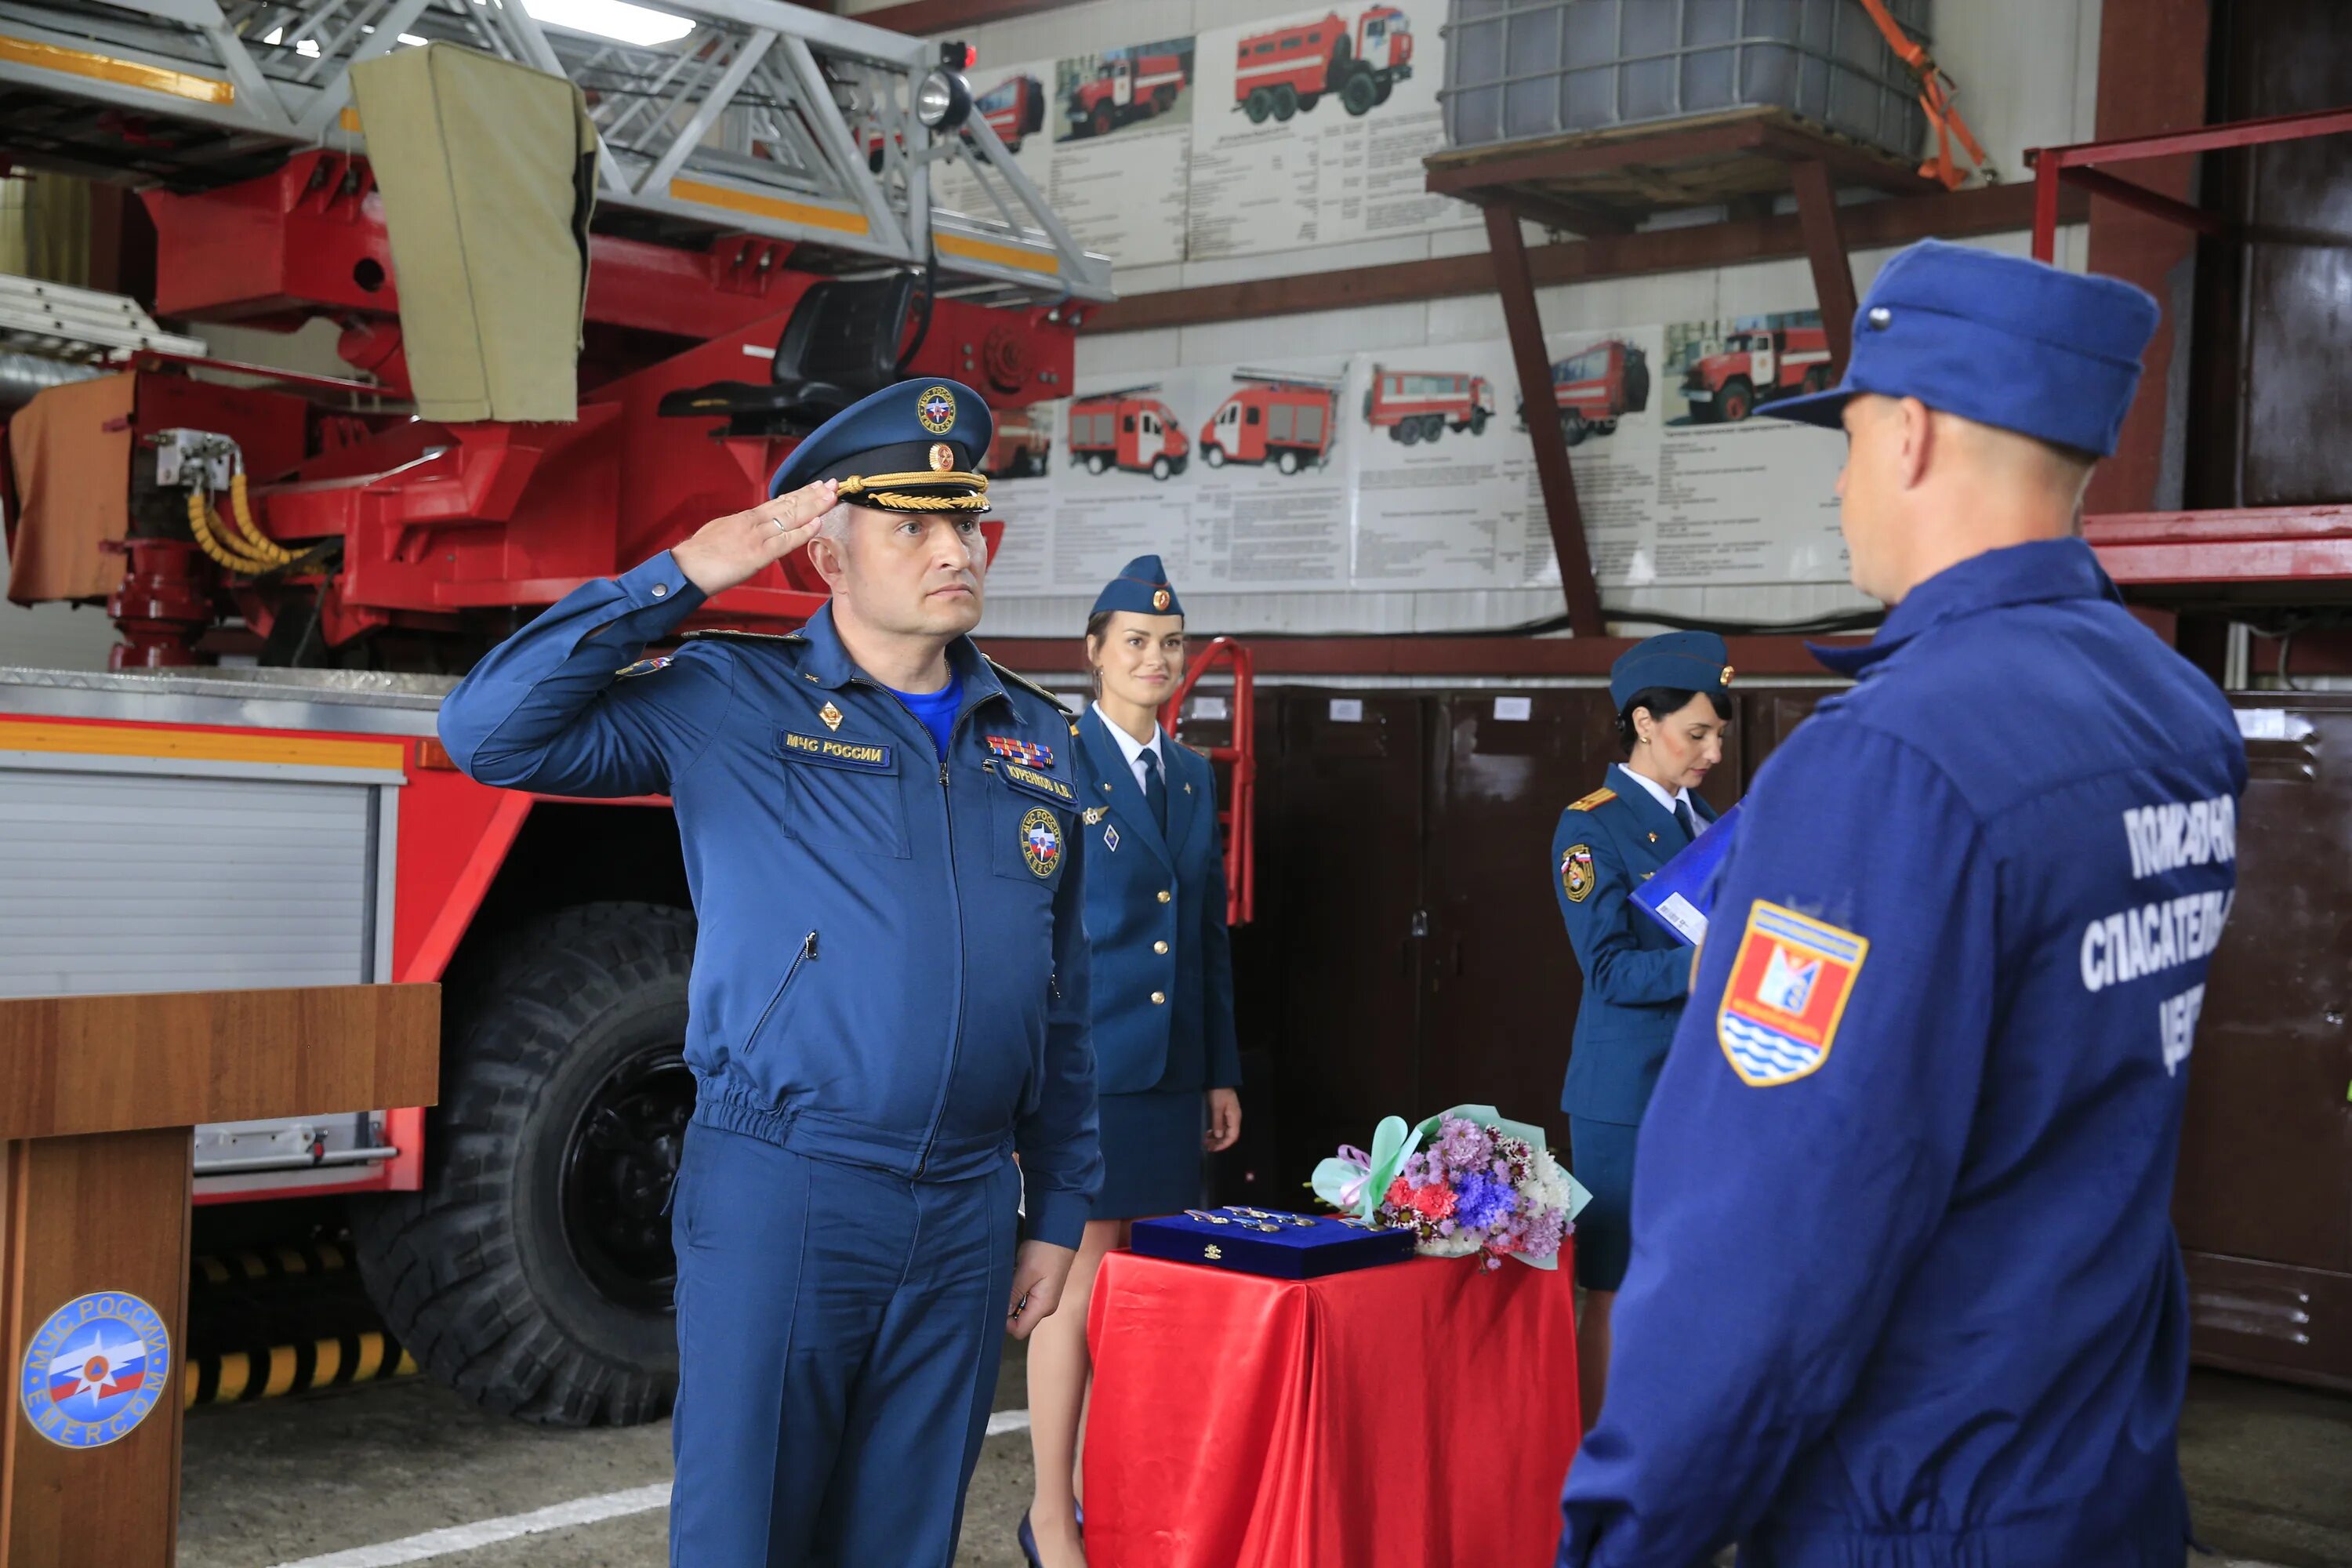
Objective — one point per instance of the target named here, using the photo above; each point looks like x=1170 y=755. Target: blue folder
x=1680 y=894
x=1282 y=1246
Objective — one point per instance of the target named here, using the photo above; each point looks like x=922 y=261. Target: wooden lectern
x=99 y=1100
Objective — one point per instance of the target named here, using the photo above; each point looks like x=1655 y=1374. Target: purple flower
x=1464 y=1144
x=1543 y=1234
x=1482 y=1202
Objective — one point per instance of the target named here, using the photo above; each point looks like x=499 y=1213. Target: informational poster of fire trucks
x=1310 y=130
x=1414 y=469
x=1017 y=103
x=1122 y=128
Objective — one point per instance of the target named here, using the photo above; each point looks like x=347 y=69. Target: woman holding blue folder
x=1670 y=693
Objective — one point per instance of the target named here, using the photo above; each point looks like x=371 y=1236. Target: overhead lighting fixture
x=412 y=39
x=610 y=19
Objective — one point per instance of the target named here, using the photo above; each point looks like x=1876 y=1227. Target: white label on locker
x=1519 y=709
x=1347 y=710
x=1208 y=708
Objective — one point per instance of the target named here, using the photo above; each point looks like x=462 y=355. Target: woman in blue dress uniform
x=1166 y=1060
x=1672 y=712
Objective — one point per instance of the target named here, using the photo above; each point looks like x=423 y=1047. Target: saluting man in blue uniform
x=1905 y=1287
x=889 y=993
x=1672 y=693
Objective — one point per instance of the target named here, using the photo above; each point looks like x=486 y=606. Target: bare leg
x=1591 y=1353
x=1058 y=1370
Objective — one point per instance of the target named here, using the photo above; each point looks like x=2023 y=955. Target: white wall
x=2027 y=72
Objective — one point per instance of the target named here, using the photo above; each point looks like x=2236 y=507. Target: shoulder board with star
x=1035 y=689
x=1598 y=797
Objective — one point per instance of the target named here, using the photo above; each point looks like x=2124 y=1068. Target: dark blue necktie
x=1155 y=790
x=1683 y=815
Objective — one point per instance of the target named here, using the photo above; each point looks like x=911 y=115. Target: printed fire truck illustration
x=1280 y=73
x=1278 y=416
x=1125 y=88
x=1416 y=406
x=1596 y=386
x=1754 y=366
x=1128 y=429
x=1015 y=109
x=1018 y=450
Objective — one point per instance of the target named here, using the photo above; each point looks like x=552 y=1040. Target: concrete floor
x=293 y=1481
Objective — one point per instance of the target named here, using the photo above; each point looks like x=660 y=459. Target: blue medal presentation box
x=1262 y=1241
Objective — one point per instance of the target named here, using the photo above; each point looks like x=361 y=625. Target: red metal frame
x=2258 y=544
x=1238 y=815
x=2076 y=165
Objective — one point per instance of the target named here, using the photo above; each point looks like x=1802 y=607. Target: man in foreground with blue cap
x=1903 y=1286
x=890 y=995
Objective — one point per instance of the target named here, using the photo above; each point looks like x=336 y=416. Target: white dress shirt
x=1658 y=792
x=1134 y=749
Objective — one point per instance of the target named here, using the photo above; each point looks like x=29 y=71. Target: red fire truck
x=1280 y=73
x=181 y=825
x=1596 y=386
x=1419 y=404
x=1128 y=429
x=1756 y=366
x=1023 y=442
x=1278 y=416
x=1015 y=109
x=1124 y=89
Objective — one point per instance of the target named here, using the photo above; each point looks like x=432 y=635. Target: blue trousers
x=838 y=1333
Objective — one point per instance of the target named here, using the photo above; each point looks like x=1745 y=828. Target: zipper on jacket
x=807 y=952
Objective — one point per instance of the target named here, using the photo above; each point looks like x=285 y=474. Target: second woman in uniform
x=1669 y=694
x=1166 y=1060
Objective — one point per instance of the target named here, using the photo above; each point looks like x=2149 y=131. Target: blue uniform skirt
x=1151 y=1153
x=1601 y=1155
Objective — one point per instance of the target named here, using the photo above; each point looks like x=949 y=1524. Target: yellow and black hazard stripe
x=247 y=1266
x=273 y=1372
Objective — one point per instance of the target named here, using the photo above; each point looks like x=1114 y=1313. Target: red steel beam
x=2249 y=545
x=1832 y=271
x=2207 y=139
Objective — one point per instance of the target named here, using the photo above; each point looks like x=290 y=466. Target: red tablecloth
x=1412 y=1415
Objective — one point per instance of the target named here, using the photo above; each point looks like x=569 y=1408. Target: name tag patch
x=874 y=756
x=1790 y=983
x=1044 y=784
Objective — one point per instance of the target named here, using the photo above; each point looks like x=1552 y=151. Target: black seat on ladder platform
x=841 y=342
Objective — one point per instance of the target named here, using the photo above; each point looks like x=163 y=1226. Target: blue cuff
x=658 y=586
x=1058 y=1218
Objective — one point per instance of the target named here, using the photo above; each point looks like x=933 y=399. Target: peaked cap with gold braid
x=914 y=446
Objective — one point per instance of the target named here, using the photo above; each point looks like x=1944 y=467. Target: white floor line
x=456 y=1538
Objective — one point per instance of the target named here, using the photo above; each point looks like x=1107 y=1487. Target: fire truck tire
x=1096 y=462
x=1816 y=380
x=1387 y=86
x=1285 y=101
x=1161 y=468
x=1307 y=100
x=1572 y=428
x=1478 y=418
x=1287 y=461
x=532 y=1273
x=1106 y=120
x=1408 y=431
x=1606 y=428
x=1432 y=426
x=1358 y=93
x=1212 y=454
x=1259 y=105
x=1164 y=99
x=1736 y=401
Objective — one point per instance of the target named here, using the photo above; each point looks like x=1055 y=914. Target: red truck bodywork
x=1420 y=405
x=1128 y=430
x=1125 y=88
x=1281 y=73
x=1754 y=366
x=1274 y=419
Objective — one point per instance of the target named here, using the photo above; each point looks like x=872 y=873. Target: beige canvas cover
x=488 y=172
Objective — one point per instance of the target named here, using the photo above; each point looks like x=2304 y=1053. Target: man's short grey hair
x=835 y=524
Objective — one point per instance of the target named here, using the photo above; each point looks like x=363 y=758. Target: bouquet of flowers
x=1466 y=1182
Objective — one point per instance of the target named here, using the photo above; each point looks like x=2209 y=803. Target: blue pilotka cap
x=1997 y=339
x=913 y=446
x=1142 y=586
x=1676 y=661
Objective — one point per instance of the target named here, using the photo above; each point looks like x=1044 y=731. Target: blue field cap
x=1679 y=661
x=914 y=446
x=1996 y=339
x=1142 y=586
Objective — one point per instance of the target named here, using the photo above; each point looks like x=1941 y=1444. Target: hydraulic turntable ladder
x=763 y=118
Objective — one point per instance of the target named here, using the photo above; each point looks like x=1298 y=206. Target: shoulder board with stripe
x=1031 y=687
x=1598 y=797
x=744 y=636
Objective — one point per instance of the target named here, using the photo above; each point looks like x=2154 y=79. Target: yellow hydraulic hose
x=256 y=543
x=200 y=522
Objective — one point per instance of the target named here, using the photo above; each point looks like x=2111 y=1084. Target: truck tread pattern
x=445 y=1266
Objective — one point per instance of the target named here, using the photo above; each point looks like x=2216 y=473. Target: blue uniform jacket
x=1156 y=913
x=1905 y=1287
x=1636 y=973
x=891 y=969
